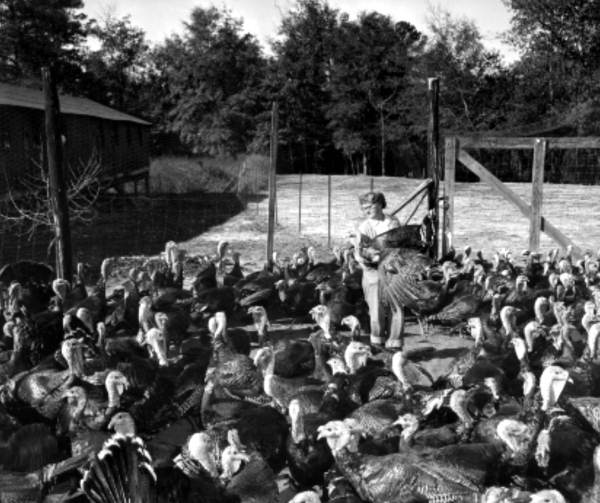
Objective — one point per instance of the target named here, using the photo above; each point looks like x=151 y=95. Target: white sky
x=161 y=18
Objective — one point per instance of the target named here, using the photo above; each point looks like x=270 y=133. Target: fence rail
x=456 y=151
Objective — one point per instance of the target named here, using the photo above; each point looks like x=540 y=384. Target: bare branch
x=30 y=204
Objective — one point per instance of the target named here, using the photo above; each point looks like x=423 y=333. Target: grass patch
x=245 y=174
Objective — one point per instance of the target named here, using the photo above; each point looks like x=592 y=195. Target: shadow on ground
x=128 y=226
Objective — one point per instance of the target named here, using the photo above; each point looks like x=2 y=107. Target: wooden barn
x=88 y=128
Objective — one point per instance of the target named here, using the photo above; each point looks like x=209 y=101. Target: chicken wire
x=123 y=225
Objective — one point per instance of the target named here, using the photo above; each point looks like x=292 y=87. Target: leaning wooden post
x=56 y=177
x=433 y=169
x=272 y=181
x=328 y=211
x=300 y=204
x=451 y=148
x=537 y=193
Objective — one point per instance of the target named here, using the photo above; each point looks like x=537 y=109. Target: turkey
x=121 y=473
x=404 y=276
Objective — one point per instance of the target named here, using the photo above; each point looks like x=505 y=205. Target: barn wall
x=20 y=141
x=122 y=147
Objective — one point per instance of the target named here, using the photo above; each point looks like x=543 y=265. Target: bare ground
x=483 y=219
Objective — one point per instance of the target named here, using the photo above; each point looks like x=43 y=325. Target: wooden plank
x=300 y=203
x=412 y=213
x=433 y=164
x=574 y=142
x=487 y=177
x=422 y=186
x=537 y=193
x=449 y=185
x=501 y=142
x=272 y=181
x=328 y=211
x=491 y=142
x=560 y=238
x=508 y=194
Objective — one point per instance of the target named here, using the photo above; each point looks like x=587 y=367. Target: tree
x=476 y=88
x=558 y=72
x=370 y=82
x=304 y=59
x=34 y=33
x=208 y=81
x=117 y=70
x=570 y=28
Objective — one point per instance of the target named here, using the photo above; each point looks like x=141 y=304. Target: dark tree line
x=351 y=92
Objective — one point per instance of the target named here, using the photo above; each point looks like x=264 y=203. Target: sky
x=161 y=18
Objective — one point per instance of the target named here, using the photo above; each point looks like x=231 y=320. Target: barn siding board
x=121 y=141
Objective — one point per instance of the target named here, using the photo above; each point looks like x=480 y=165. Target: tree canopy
x=351 y=91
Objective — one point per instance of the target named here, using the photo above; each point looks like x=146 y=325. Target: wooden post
x=56 y=177
x=300 y=204
x=372 y=185
x=433 y=169
x=537 y=193
x=272 y=181
x=451 y=148
x=328 y=211
x=382 y=140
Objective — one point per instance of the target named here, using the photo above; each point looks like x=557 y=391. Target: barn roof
x=18 y=96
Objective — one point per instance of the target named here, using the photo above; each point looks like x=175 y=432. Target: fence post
x=433 y=165
x=329 y=211
x=58 y=189
x=300 y=204
x=272 y=181
x=537 y=194
x=372 y=185
x=451 y=148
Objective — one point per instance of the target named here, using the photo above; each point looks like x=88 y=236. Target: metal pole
x=56 y=177
x=272 y=181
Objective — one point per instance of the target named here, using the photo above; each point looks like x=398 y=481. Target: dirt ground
x=483 y=219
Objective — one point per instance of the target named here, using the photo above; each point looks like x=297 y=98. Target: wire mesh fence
x=569 y=195
x=311 y=210
x=562 y=166
x=124 y=225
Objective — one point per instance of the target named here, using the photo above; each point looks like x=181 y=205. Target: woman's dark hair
x=373 y=198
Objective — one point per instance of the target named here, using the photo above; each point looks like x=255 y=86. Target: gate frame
x=455 y=150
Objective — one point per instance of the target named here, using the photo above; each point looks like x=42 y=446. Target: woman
x=383 y=321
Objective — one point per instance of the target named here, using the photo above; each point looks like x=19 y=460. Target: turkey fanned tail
x=121 y=473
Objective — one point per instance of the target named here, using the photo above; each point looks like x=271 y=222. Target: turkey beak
x=242 y=456
x=112 y=423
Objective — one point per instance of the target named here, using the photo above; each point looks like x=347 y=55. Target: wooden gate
x=456 y=150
